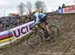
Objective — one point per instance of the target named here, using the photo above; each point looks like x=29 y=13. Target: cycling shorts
x=44 y=20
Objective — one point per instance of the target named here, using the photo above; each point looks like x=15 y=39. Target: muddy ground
x=62 y=45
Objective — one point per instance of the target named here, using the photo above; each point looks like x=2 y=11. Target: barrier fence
x=9 y=36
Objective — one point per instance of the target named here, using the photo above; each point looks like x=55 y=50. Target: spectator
x=11 y=22
x=18 y=22
x=23 y=20
x=1 y=27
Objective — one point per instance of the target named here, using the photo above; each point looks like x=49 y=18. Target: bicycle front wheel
x=34 y=38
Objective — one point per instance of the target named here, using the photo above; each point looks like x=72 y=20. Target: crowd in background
x=7 y=23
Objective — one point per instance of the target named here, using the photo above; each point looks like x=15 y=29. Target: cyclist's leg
x=46 y=24
x=47 y=28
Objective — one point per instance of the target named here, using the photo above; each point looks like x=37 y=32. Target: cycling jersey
x=38 y=17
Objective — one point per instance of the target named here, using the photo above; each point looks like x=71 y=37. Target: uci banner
x=6 y=37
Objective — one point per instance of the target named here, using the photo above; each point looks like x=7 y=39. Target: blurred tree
x=74 y=1
x=29 y=8
x=21 y=8
x=40 y=5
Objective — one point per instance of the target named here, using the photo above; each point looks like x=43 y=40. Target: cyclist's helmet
x=36 y=11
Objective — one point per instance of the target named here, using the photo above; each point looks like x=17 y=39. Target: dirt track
x=63 y=45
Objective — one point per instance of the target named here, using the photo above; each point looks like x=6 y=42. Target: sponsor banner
x=6 y=37
x=22 y=30
x=5 y=34
x=6 y=40
x=69 y=9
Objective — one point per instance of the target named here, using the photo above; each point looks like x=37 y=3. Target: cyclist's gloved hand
x=34 y=27
x=31 y=27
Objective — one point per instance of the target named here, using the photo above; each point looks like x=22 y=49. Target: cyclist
x=41 y=17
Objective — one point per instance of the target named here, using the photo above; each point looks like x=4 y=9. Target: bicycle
x=38 y=34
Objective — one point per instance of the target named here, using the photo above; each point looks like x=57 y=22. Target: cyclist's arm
x=36 y=20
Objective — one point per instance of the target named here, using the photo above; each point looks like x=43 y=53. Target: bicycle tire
x=55 y=33
x=38 y=36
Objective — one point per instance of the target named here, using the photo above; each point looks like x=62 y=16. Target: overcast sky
x=10 y=6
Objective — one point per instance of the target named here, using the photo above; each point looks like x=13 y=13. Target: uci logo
x=23 y=30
